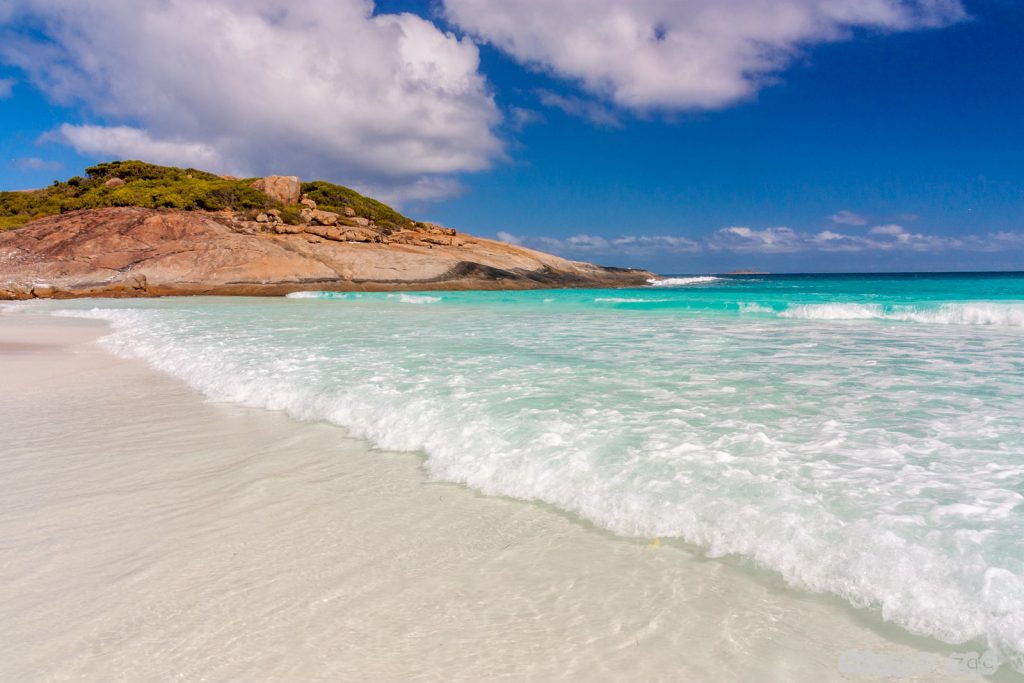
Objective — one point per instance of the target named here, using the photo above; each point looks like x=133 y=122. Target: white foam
x=682 y=281
x=754 y=308
x=906 y=506
x=980 y=313
x=323 y=295
x=626 y=300
x=418 y=299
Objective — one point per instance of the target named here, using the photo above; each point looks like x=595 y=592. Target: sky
x=685 y=136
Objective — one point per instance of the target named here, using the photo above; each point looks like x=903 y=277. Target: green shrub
x=331 y=197
x=146 y=185
x=167 y=187
x=291 y=214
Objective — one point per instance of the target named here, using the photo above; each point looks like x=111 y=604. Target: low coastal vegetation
x=137 y=183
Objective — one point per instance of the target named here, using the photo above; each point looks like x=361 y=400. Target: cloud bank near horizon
x=771 y=241
x=323 y=88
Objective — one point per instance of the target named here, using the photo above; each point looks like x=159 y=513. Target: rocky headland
x=271 y=238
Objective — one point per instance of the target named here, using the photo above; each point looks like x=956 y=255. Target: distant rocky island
x=129 y=228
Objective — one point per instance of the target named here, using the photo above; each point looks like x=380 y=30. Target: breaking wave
x=884 y=465
x=982 y=313
x=682 y=281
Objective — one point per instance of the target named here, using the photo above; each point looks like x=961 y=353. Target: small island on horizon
x=130 y=229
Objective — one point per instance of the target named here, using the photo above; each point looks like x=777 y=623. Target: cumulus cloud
x=680 y=54
x=35 y=164
x=6 y=87
x=322 y=88
x=845 y=217
x=769 y=240
x=126 y=142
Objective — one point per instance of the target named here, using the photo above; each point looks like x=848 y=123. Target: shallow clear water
x=859 y=435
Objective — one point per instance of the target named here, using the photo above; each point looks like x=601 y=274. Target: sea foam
x=682 y=281
x=884 y=465
x=980 y=313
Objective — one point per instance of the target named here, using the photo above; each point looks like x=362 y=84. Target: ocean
x=857 y=436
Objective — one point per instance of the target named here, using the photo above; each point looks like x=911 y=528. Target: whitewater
x=859 y=436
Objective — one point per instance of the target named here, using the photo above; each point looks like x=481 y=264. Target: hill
x=129 y=228
x=137 y=183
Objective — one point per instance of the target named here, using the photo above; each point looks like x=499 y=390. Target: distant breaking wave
x=323 y=295
x=682 y=281
x=982 y=313
x=401 y=298
x=417 y=299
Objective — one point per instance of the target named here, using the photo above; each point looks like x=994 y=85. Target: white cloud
x=680 y=54
x=595 y=112
x=845 y=217
x=124 y=142
x=521 y=117
x=6 y=87
x=35 y=164
x=656 y=243
x=321 y=88
x=777 y=240
x=769 y=240
x=592 y=245
x=509 y=237
x=879 y=238
x=891 y=230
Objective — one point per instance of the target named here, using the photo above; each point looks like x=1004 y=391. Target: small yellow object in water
x=655 y=543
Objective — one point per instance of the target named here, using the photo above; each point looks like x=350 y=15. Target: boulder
x=349 y=212
x=262 y=218
x=359 y=220
x=343 y=233
x=438 y=229
x=403 y=237
x=114 y=182
x=316 y=217
x=282 y=188
x=307 y=202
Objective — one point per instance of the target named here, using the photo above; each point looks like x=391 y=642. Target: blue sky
x=887 y=135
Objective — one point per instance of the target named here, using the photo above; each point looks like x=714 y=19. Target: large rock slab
x=128 y=251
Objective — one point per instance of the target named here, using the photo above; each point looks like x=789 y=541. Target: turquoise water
x=860 y=436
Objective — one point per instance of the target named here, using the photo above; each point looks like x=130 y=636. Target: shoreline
x=154 y=532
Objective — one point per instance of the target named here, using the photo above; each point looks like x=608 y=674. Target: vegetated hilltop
x=129 y=228
x=137 y=183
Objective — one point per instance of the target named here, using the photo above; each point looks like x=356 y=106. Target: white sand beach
x=147 y=534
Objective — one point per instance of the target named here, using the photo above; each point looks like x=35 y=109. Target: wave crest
x=682 y=281
x=981 y=313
